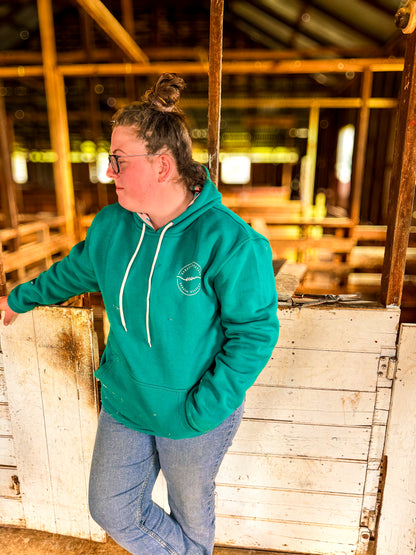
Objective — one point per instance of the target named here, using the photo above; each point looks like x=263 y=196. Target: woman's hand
x=9 y=314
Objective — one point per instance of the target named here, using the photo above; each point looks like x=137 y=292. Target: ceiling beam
x=113 y=28
x=268 y=67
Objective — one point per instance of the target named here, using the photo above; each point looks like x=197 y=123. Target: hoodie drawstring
x=149 y=286
x=120 y=297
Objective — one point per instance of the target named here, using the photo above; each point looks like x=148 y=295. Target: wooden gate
x=304 y=472
x=49 y=416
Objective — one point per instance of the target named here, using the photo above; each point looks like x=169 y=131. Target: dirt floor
x=16 y=541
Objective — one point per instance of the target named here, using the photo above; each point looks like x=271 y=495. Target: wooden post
x=214 y=86
x=8 y=190
x=3 y=284
x=311 y=151
x=58 y=117
x=361 y=146
x=402 y=185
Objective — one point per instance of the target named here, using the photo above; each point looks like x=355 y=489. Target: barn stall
x=322 y=462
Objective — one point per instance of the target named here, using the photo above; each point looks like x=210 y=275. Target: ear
x=166 y=167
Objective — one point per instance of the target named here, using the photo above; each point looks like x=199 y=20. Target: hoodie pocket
x=149 y=408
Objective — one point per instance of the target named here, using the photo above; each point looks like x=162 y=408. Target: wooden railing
x=32 y=247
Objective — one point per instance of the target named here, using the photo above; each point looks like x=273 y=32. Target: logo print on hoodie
x=189 y=279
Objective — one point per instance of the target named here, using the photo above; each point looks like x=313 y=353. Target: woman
x=190 y=296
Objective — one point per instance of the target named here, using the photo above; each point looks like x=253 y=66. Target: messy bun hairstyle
x=160 y=123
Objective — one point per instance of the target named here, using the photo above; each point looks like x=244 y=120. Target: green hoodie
x=192 y=310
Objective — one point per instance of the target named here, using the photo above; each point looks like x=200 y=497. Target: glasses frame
x=113 y=160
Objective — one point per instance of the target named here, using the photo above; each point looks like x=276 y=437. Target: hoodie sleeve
x=73 y=275
x=247 y=294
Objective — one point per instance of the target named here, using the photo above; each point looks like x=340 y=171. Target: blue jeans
x=124 y=468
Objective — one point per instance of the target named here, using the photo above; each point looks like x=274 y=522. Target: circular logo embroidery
x=189 y=279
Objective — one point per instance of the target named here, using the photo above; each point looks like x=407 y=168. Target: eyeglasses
x=113 y=160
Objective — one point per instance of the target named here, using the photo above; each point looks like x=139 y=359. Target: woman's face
x=136 y=183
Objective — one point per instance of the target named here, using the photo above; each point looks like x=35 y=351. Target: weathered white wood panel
x=49 y=359
x=11 y=508
x=363 y=330
x=304 y=440
x=303 y=472
x=7 y=455
x=337 y=369
x=312 y=406
x=11 y=512
x=287 y=537
x=397 y=528
x=296 y=473
x=5 y=423
x=312 y=507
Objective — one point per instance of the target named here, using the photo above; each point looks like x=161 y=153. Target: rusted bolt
x=402 y=18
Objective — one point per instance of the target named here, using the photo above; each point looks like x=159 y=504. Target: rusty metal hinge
x=370 y=517
x=15 y=484
x=387 y=367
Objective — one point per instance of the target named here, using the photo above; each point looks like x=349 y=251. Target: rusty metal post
x=402 y=185
x=214 y=86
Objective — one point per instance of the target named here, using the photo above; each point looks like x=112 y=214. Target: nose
x=110 y=172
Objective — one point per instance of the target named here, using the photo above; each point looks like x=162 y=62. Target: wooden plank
x=309 y=406
x=65 y=359
x=397 y=528
x=302 y=440
x=26 y=409
x=5 y=423
x=291 y=506
x=402 y=185
x=49 y=363
x=281 y=536
x=363 y=330
x=35 y=252
x=11 y=512
x=291 y=473
x=3 y=391
x=320 y=369
x=7 y=454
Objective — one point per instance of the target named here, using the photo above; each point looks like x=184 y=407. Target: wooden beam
x=291 y=67
x=58 y=117
x=8 y=187
x=361 y=146
x=109 y=24
x=402 y=185
x=214 y=86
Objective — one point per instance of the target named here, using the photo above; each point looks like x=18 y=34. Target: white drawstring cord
x=120 y=298
x=149 y=287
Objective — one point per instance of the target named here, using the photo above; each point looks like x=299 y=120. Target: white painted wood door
x=397 y=528
x=49 y=358
x=303 y=472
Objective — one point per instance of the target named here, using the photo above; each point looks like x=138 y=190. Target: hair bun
x=165 y=94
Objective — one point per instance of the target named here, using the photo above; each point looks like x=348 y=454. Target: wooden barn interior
x=304 y=112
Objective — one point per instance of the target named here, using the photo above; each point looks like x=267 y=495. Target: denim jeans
x=124 y=469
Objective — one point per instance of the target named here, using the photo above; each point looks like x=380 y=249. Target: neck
x=171 y=208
